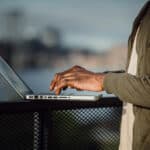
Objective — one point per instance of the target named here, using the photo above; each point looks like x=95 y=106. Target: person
x=131 y=86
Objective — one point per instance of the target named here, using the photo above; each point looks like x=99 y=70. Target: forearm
x=129 y=88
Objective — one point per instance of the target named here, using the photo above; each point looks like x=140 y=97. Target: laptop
x=12 y=87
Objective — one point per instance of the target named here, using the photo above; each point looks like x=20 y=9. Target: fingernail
x=55 y=88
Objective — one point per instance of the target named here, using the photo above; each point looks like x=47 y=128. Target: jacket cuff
x=110 y=83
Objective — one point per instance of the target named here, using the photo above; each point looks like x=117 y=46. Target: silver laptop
x=12 y=87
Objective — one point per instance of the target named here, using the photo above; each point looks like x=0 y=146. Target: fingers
x=59 y=87
x=60 y=75
x=60 y=80
x=53 y=82
x=63 y=84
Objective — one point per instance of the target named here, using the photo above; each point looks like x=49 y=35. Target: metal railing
x=60 y=125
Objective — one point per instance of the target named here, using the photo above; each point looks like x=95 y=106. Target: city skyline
x=89 y=24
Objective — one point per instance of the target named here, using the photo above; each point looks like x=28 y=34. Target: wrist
x=101 y=78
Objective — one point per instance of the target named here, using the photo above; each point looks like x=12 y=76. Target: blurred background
x=41 y=37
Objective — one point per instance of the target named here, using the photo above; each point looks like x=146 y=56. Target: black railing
x=60 y=125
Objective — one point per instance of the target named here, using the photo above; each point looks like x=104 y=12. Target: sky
x=93 y=24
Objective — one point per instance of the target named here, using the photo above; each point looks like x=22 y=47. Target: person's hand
x=78 y=78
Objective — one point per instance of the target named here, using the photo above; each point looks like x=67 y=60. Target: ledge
x=44 y=105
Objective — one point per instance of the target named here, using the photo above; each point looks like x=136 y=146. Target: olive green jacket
x=136 y=89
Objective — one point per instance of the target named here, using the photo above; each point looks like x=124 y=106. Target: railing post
x=45 y=129
x=36 y=131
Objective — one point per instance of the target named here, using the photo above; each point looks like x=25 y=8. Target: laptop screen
x=13 y=79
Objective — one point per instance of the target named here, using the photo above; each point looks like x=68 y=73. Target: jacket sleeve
x=129 y=88
x=114 y=71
